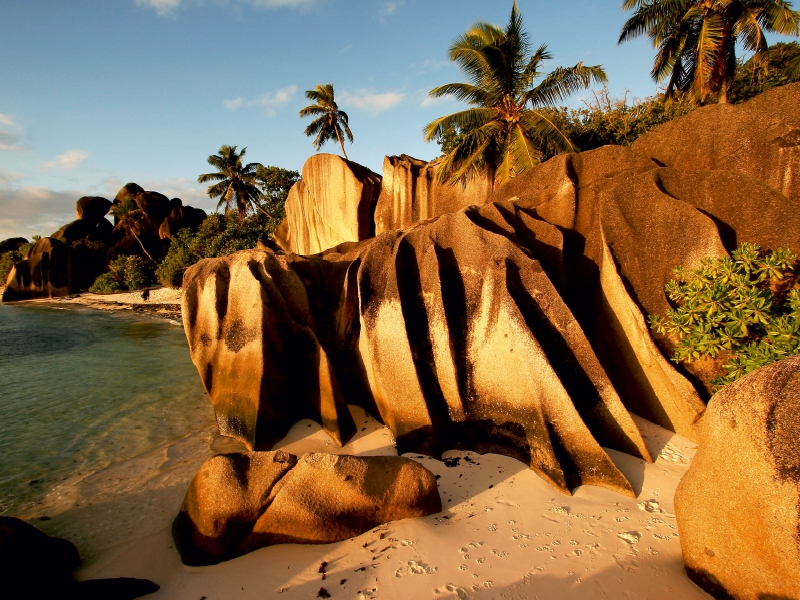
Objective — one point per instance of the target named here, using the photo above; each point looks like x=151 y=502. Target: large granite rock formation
x=238 y=503
x=180 y=217
x=11 y=244
x=334 y=202
x=43 y=273
x=760 y=138
x=410 y=193
x=738 y=506
x=92 y=208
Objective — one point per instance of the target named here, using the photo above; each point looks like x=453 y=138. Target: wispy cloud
x=166 y=8
x=431 y=101
x=388 y=10
x=371 y=102
x=67 y=161
x=269 y=102
x=27 y=211
x=10 y=134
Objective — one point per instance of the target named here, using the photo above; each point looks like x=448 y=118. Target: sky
x=97 y=93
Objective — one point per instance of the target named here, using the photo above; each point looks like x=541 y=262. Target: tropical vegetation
x=331 y=123
x=235 y=183
x=697 y=39
x=743 y=310
x=507 y=130
x=132 y=220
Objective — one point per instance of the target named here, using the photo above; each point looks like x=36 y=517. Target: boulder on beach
x=760 y=138
x=238 y=503
x=43 y=273
x=180 y=217
x=85 y=229
x=127 y=192
x=334 y=202
x=738 y=506
x=410 y=193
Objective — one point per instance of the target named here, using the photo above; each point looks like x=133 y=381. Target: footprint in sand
x=630 y=537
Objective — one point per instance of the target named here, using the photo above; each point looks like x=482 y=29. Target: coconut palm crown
x=236 y=184
x=506 y=130
x=696 y=39
x=331 y=124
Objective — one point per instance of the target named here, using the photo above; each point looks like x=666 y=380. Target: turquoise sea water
x=81 y=389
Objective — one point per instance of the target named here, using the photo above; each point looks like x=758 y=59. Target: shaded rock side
x=85 y=229
x=410 y=193
x=92 y=208
x=425 y=326
x=334 y=202
x=10 y=244
x=238 y=503
x=760 y=138
x=738 y=506
x=180 y=217
x=43 y=273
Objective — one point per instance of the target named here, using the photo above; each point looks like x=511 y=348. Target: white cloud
x=27 y=211
x=165 y=8
x=388 y=9
x=162 y=7
x=69 y=160
x=371 y=102
x=10 y=134
x=430 y=101
x=268 y=102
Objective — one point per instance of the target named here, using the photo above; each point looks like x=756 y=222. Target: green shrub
x=7 y=262
x=745 y=308
x=124 y=273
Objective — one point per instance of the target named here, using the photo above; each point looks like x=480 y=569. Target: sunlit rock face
x=738 y=506
x=334 y=202
x=43 y=273
x=410 y=193
x=517 y=327
x=238 y=503
x=760 y=138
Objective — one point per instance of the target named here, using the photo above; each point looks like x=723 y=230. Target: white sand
x=158 y=295
x=518 y=539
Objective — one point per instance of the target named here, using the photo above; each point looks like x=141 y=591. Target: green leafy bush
x=124 y=273
x=745 y=308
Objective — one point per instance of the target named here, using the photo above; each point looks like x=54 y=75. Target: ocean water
x=81 y=389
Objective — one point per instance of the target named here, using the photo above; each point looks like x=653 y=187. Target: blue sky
x=96 y=93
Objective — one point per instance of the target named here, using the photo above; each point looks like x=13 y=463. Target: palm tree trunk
x=341 y=143
x=144 y=249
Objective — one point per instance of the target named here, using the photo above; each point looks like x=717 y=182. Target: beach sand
x=504 y=532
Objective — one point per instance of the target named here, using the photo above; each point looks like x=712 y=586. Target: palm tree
x=332 y=123
x=236 y=183
x=696 y=39
x=507 y=130
x=132 y=220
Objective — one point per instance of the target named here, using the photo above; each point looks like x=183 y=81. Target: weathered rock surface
x=92 y=208
x=760 y=138
x=12 y=244
x=180 y=217
x=85 y=229
x=238 y=503
x=43 y=273
x=35 y=565
x=410 y=193
x=738 y=506
x=127 y=192
x=334 y=202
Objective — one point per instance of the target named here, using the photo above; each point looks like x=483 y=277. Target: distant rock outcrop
x=738 y=506
x=333 y=203
x=92 y=208
x=410 y=193
x=238 y=503
x=43 y=273
x=760 y=138
x=180 y=217
x=12 y=244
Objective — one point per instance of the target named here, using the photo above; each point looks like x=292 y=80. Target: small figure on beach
x=146 y=294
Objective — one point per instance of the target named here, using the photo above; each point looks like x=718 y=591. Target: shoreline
x=163 y=303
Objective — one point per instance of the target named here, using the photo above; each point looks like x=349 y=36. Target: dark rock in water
x=44 y=273
x=180 y=217
x=238 y=503
x=738 y=506
x=760 y=138
x=92 y=208
x=12 y=244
